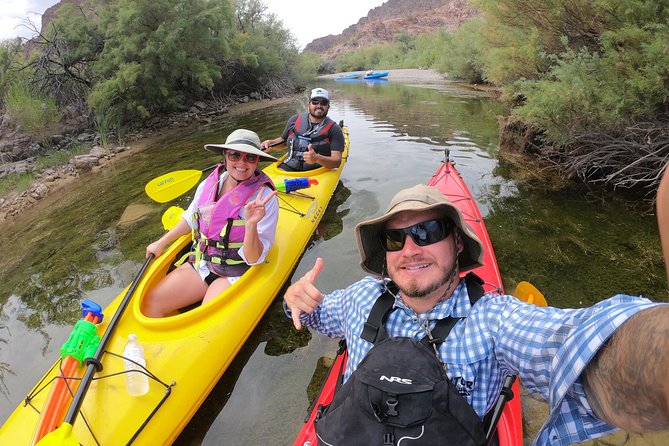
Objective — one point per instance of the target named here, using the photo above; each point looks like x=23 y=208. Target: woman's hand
x=254 y=210
x=156 y=248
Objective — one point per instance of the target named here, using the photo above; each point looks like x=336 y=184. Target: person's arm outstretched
x=627 y=383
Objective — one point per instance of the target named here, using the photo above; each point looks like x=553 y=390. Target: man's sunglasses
x=423 y=234
x=236 y=156
x=320 y=102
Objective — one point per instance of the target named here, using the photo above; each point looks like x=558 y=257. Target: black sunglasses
x=320 y=101
x=236 y=156
x=423 y=234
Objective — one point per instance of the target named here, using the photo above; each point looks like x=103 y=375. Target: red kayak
x=510 y=426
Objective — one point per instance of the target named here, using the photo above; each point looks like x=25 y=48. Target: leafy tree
x=160 y=53
x=61 y=62
x=266 y=50
x=461 y=57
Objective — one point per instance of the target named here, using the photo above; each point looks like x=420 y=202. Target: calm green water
x=577 y=248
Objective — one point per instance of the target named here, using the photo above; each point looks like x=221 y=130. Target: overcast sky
x=306 y=19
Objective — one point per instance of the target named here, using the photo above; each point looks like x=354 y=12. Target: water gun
x=84 y=340
x=291 y=185
x=81 y=345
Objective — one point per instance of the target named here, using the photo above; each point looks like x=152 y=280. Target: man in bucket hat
x=313 y=139
x=415 y=252
x=236 y=191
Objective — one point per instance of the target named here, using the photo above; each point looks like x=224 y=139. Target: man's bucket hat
x=417 y=198
x=240 y=140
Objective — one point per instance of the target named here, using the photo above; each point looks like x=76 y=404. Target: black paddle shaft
x=92 y=366
x=506 y=395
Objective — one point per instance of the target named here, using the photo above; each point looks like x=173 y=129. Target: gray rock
x=40 y=191
x=98 y=151
x=200 y=105
x=85 y=137
x=84 y=163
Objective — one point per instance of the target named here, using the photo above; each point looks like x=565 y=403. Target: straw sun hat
x=241 y=140
x=417 y=198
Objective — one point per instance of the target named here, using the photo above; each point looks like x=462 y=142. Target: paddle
x=171 y=185
x=527 y=292
x=171 y=217
x=63 y=435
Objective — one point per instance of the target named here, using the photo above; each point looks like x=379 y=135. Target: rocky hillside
x=383 y=22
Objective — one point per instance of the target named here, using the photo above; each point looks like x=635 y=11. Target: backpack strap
x=374 y=330
x=444 y=326
x=474 y=287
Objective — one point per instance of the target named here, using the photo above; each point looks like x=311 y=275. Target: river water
x=577 y=247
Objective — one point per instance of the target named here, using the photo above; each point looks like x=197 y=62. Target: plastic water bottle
x=136 y=382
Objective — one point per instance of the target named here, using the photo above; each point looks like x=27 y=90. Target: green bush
x=10 y=53
x=60 y=157
x=15 y=182
x=37 y=116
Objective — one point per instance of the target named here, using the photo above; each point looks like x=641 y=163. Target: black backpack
x=400 y=394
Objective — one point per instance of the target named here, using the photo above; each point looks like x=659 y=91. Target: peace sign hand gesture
x=254 y=210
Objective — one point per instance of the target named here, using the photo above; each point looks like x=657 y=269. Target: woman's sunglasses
x=320 y=102
x=236 y=156
x=423 y=234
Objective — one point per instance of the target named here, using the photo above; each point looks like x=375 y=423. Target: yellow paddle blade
x=171 y=217
x=62 y=436
x=172 y=185
x=527 y=292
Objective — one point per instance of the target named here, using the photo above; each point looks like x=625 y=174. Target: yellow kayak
x=187 y=352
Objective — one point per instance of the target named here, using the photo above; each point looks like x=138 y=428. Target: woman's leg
x=179 y=288
x=217 y=287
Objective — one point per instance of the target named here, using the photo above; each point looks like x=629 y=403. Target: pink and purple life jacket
x=219 y=228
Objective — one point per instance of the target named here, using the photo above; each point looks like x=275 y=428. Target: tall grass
x=17 y=182
x=37 y=116
x=60 y=157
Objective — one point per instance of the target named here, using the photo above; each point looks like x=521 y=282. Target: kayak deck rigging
x=43 y=386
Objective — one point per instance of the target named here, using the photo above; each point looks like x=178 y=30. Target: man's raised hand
x=303 y=296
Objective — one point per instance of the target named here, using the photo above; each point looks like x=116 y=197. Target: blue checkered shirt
x=547 y=347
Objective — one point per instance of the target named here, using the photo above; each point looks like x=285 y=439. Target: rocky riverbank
x=49 y=181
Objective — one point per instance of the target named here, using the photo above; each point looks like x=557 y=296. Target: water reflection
x=90 y=243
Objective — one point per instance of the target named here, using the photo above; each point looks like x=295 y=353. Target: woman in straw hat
x=233 y=219
x=415 y=253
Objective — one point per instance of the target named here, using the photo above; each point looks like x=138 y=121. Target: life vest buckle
x=391 y=402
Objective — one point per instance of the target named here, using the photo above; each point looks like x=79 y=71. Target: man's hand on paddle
x=303 y=296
